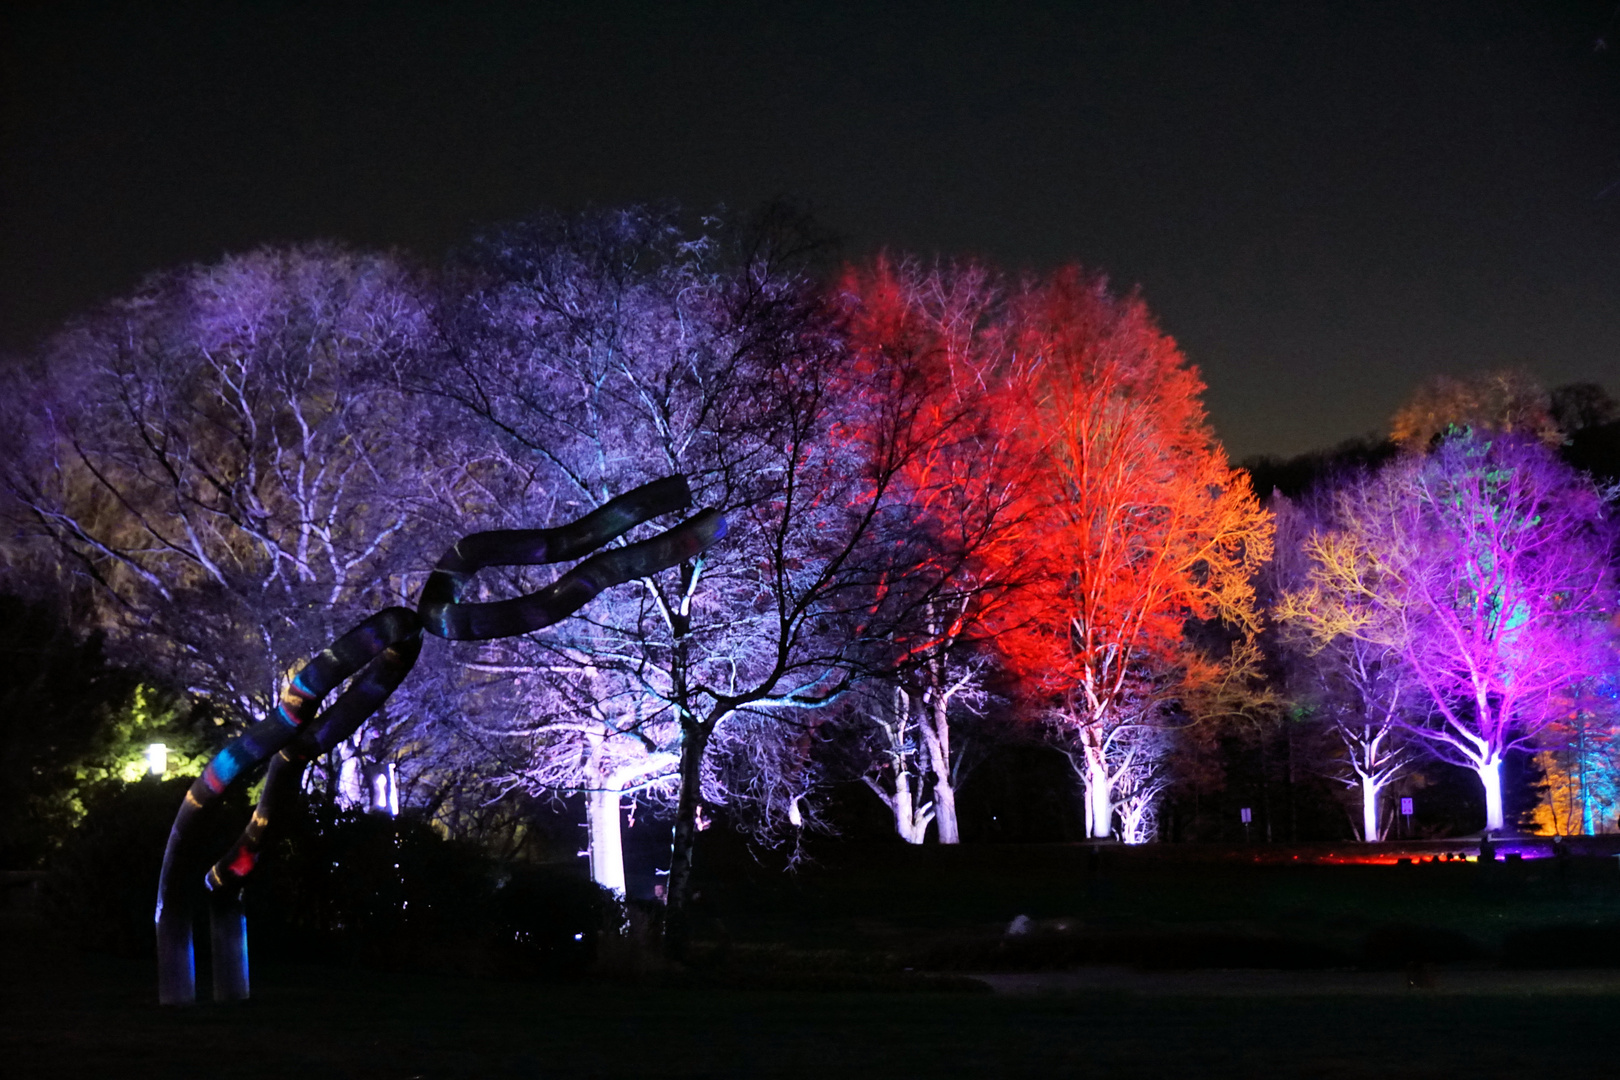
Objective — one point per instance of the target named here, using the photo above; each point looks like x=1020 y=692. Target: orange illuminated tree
x=1140 y=529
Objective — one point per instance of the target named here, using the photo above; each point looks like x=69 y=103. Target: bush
x=333 y=886
x=101 y=892
x=392 y=893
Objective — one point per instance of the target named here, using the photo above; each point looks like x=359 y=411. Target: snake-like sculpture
x=378 y=654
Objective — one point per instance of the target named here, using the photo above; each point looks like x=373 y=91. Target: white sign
x=1406 y=807
x=1246 y=814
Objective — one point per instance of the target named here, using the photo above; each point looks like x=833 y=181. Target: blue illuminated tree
x=593 y=349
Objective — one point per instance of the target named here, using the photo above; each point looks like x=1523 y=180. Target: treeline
x=973 y=519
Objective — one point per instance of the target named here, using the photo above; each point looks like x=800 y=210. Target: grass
x=950 y=908
x=805 y=976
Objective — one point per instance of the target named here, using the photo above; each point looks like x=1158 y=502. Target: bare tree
x=1484 y=566
x=1367 y=697
x=1142 y=527
x=934 y=374
x=915 y=757
x=207 y=459
x=1357 y=688
x=599 y=350
x=1128 y=758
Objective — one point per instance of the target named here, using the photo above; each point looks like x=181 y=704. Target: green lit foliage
x=112 y=753
x=71 y=725
x=147 y=716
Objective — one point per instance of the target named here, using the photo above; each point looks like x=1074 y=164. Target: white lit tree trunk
x=1490 y=777
x=1370 y=831
x=910 y=820
x=1378 y=757
x=1123 y=769
x=581 y=732
x=602 y=816
x=899 y=778
x=937 y=736
x=1139 y=821
x=1099 y=795
x=1138 y=758
x=604 y=805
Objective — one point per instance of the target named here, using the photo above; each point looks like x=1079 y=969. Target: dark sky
x=1322 y=202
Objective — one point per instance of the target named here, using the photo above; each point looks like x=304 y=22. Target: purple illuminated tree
x=207 y=460
x=1483 y=566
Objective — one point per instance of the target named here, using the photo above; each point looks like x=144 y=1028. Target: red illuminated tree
x=1141 y=526
x=929 y=383
x=1485 y=566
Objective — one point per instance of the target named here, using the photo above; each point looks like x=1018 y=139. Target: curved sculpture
x=394 y=629
x=379 y=653
x=444 y=615
x=365 y=695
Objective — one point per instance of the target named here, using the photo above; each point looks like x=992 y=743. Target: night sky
x=1322 y=202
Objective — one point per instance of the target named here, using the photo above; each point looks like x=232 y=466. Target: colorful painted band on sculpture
x=341 y=719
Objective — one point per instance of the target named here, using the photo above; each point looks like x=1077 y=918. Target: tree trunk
x=905 y=815
x=1580 y=761
x=606 y=839
x=1099 y=799
x=937 y=734
x=677 y=918
x=1369 y=810
x=1490 y=775
x=945 y=813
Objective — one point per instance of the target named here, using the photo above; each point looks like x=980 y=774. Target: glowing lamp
x=157 y=759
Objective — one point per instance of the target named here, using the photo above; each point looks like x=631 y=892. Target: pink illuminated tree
x=1484 y=567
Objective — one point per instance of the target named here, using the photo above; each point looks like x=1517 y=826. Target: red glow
x=242 y=865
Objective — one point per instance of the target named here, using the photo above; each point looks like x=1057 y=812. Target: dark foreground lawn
x=69 y=1014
